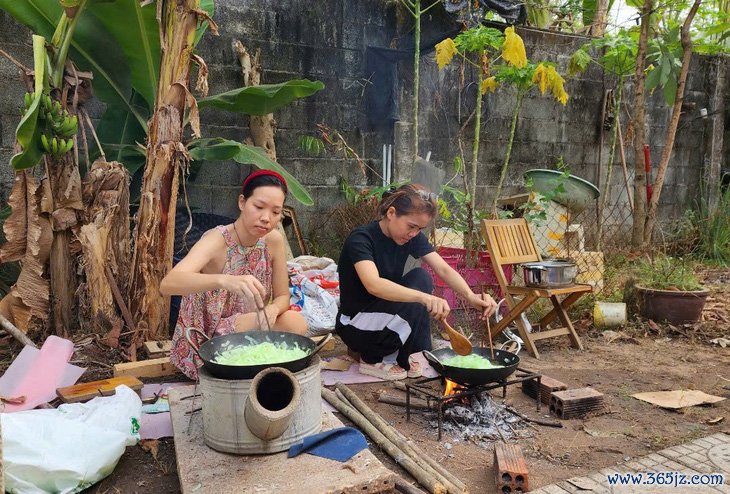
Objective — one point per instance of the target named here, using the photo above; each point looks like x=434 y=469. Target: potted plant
x=668 y=290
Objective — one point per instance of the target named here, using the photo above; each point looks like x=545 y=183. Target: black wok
x=461 y=375
x=208 y=351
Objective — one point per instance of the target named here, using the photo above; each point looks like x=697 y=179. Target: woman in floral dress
x=235 y=277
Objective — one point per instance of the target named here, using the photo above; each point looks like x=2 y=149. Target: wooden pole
x=405 y=488
x=17 y=334
x=416 y=404
x=425 y=479
x=623 y=164
x=453 y=484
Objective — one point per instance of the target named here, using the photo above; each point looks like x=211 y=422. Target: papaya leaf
x=263 y=99
x=588 y=12
x=670 y=91
x=219 y=149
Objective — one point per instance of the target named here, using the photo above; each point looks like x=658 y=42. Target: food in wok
x=471 y=361
x=259 y=353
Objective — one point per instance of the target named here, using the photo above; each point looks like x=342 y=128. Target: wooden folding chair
x=511 y=242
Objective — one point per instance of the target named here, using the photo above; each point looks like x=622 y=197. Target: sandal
x=351 y=356
x=416 y=369
x=387 y=372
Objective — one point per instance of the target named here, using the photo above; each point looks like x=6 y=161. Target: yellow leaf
x=541 y=77
x=513 y=50
x=489 y=84
x=554 y=235
x=563 y=98
x=445 y=51
x=556 y=85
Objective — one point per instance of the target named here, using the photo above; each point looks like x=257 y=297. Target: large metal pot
x=549 y=274
x=208 y=351
x=509 y=362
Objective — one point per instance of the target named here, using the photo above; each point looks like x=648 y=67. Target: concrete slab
x=701 y=457
x=203 y=470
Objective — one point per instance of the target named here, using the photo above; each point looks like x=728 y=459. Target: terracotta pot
x=675 y=307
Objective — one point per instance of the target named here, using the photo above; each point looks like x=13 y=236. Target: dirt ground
x=628 y=428
x=643 y=358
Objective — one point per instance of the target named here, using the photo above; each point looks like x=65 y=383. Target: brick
x=510 y=469
x=575 y=402
x=547 y=386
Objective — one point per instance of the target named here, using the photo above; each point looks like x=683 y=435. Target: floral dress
x=214 y=312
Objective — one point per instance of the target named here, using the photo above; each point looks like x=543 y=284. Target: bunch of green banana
x=28 y=100
x=56 y=146
x=66 y=125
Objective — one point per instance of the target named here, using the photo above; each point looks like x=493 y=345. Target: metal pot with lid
x=553 y=273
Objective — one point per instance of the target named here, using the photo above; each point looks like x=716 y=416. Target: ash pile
x=482 y=421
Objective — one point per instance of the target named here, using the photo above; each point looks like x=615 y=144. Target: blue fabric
x=339 y=444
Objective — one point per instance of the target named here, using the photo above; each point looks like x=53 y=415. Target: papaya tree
x=512 y=71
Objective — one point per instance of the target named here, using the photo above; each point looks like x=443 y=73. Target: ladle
x=459 y=342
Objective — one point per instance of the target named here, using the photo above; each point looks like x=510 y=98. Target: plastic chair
x=510 y=242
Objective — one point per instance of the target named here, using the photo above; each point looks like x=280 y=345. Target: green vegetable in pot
x=471 y=361
x=259 y=354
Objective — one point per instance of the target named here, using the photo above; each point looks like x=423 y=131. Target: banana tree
x=120 y=43
x=46 y=134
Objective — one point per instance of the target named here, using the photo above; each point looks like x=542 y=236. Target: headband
x=264 y=173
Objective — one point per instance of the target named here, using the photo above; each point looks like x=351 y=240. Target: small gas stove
x=435 y=394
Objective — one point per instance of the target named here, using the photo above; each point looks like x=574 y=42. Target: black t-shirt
x=369 y=243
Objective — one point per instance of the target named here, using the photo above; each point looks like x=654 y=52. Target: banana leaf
x=28 y=132
x=263 y=99
x=136 y=31
x=92 y=49
x=219 y=149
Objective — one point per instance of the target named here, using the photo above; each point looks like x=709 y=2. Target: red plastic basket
x=480 y=276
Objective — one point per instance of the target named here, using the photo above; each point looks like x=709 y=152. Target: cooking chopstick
x=266 y=317
x=489 y=334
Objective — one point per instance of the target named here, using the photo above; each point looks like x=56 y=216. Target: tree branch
x=674 y=122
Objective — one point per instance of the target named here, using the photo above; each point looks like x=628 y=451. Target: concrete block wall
x=327 y=41
x=547 y=130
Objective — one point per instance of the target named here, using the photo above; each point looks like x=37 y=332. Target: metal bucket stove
x=267 y=414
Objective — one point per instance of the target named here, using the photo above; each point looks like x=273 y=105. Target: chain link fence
x=595 y=246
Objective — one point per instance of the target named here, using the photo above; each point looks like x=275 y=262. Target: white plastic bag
x=320 y=308
x=68 y=449
x=315 y=290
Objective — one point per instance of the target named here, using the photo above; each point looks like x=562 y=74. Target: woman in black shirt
x=384 y=314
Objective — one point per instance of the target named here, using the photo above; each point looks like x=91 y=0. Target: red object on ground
x=510 y=469
x=647 y=168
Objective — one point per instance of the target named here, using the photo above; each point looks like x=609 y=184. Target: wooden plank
x=157 y=367
x=156 y=349
x=329 y=346
x=89 y=390
x=201 y=469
